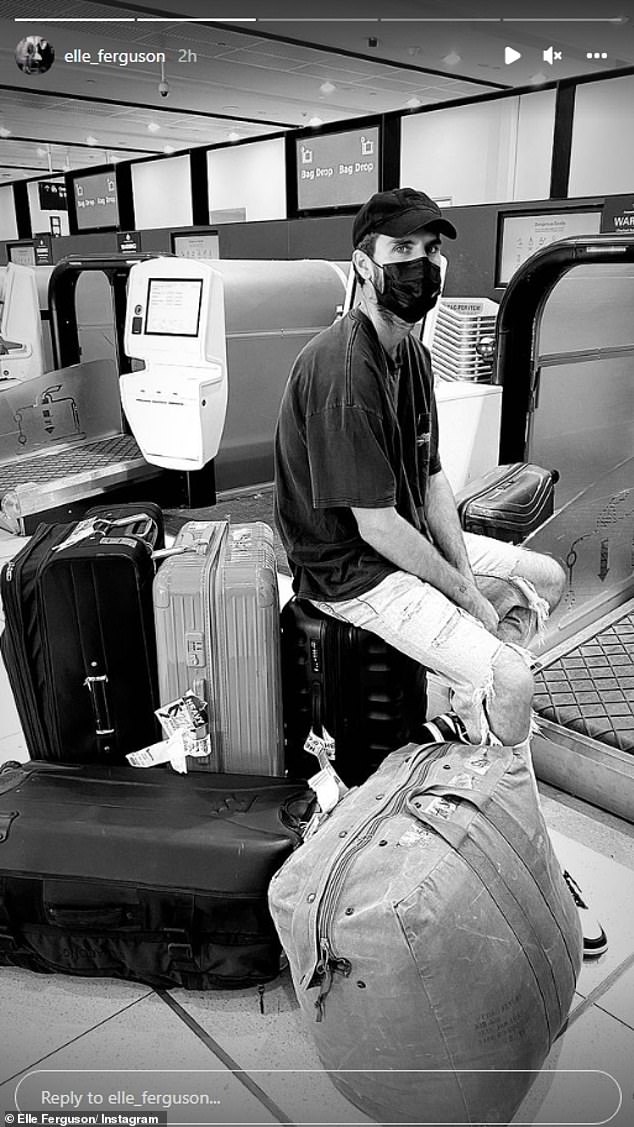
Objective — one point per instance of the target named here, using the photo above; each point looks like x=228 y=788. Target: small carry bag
x=79 y=644
x=143 y=874
x=508 y=502
x=431 y=938
x=369 y=697
x=216 y=609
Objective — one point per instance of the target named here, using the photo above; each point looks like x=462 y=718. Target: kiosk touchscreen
x=175 y=324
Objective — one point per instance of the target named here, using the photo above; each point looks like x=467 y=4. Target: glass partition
x=593 y=537
x=583 y=424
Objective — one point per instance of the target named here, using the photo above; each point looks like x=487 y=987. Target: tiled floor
x=242 y=1058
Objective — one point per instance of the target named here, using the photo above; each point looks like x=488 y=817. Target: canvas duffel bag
x=430 y=936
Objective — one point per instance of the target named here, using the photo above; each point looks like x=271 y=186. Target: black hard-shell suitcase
x=79 y=644
x=144 y=874
x=370 y=697
x=508 y=502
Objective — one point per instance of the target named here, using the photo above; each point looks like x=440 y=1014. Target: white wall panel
x=489 y=152
x=8 y=223
x=251 y=177
x=162 y=193
x=602 y=161
x=534 y=149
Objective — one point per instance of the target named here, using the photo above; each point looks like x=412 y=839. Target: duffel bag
x=433 y=944
x=144 y=874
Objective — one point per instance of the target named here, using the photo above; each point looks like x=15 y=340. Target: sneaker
x=595 y=941
x=447 y=728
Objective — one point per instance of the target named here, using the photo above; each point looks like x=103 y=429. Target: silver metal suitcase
x=216 y=611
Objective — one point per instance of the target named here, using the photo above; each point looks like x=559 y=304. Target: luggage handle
x=97 y=688
x=478 y=792
x=317 y=707
x=138 y=524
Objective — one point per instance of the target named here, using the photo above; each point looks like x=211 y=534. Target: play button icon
x=511 y=55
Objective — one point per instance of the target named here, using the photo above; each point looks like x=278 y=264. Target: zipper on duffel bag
x=329 y=961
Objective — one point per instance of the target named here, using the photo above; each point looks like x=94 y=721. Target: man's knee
x=510 y=706
x=554 y=582
x=546 y=574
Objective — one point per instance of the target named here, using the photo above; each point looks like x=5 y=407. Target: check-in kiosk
x=63 y=437
x=175 y=324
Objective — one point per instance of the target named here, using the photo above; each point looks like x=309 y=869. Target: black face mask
x=410 y=289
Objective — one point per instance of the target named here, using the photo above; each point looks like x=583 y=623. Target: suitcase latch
x=5 y=823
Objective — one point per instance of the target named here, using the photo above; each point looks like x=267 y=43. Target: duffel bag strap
x=438 y=820
x=179 y=936
x=506 y=825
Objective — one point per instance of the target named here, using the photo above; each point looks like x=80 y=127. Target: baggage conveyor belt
x=584 y=700
x=30 y=485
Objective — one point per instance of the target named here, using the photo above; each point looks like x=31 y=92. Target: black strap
x=180 y=936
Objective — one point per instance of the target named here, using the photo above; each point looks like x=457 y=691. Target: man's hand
x=483 y=610
x=398 y=540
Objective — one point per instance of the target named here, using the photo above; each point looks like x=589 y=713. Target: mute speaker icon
x=551 y=56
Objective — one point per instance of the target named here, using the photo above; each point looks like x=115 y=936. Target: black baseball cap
x=399 y=212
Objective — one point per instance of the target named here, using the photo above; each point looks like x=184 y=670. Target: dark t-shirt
x=354 y=429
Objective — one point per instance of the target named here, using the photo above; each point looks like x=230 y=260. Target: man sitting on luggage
x=366 y=514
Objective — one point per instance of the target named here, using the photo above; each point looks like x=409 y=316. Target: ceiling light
x=154 y=127
x=168 y=149
x=41 y=152
x=4 y=132
x=90 y=140
x=452 y=59
x=315 y=122
x=414 y=103
x=538 y=79
x=233 y=136
x=327 y=87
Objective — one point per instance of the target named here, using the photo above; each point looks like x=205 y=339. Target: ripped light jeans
x=419 y=620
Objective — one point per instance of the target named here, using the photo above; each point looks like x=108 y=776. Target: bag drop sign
x=96 y=201
x=337 y=169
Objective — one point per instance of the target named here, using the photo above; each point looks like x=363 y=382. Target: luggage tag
x=323 y=748
x=82 y=531
x=170 y=751
x=188 y=716
x=327 y=784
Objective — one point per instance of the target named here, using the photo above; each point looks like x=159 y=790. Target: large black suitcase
x=508 y=502
x=144 y=874
x=370 y=697
x=79 y=643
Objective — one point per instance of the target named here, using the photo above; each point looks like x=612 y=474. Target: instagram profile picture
x=34 y=54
